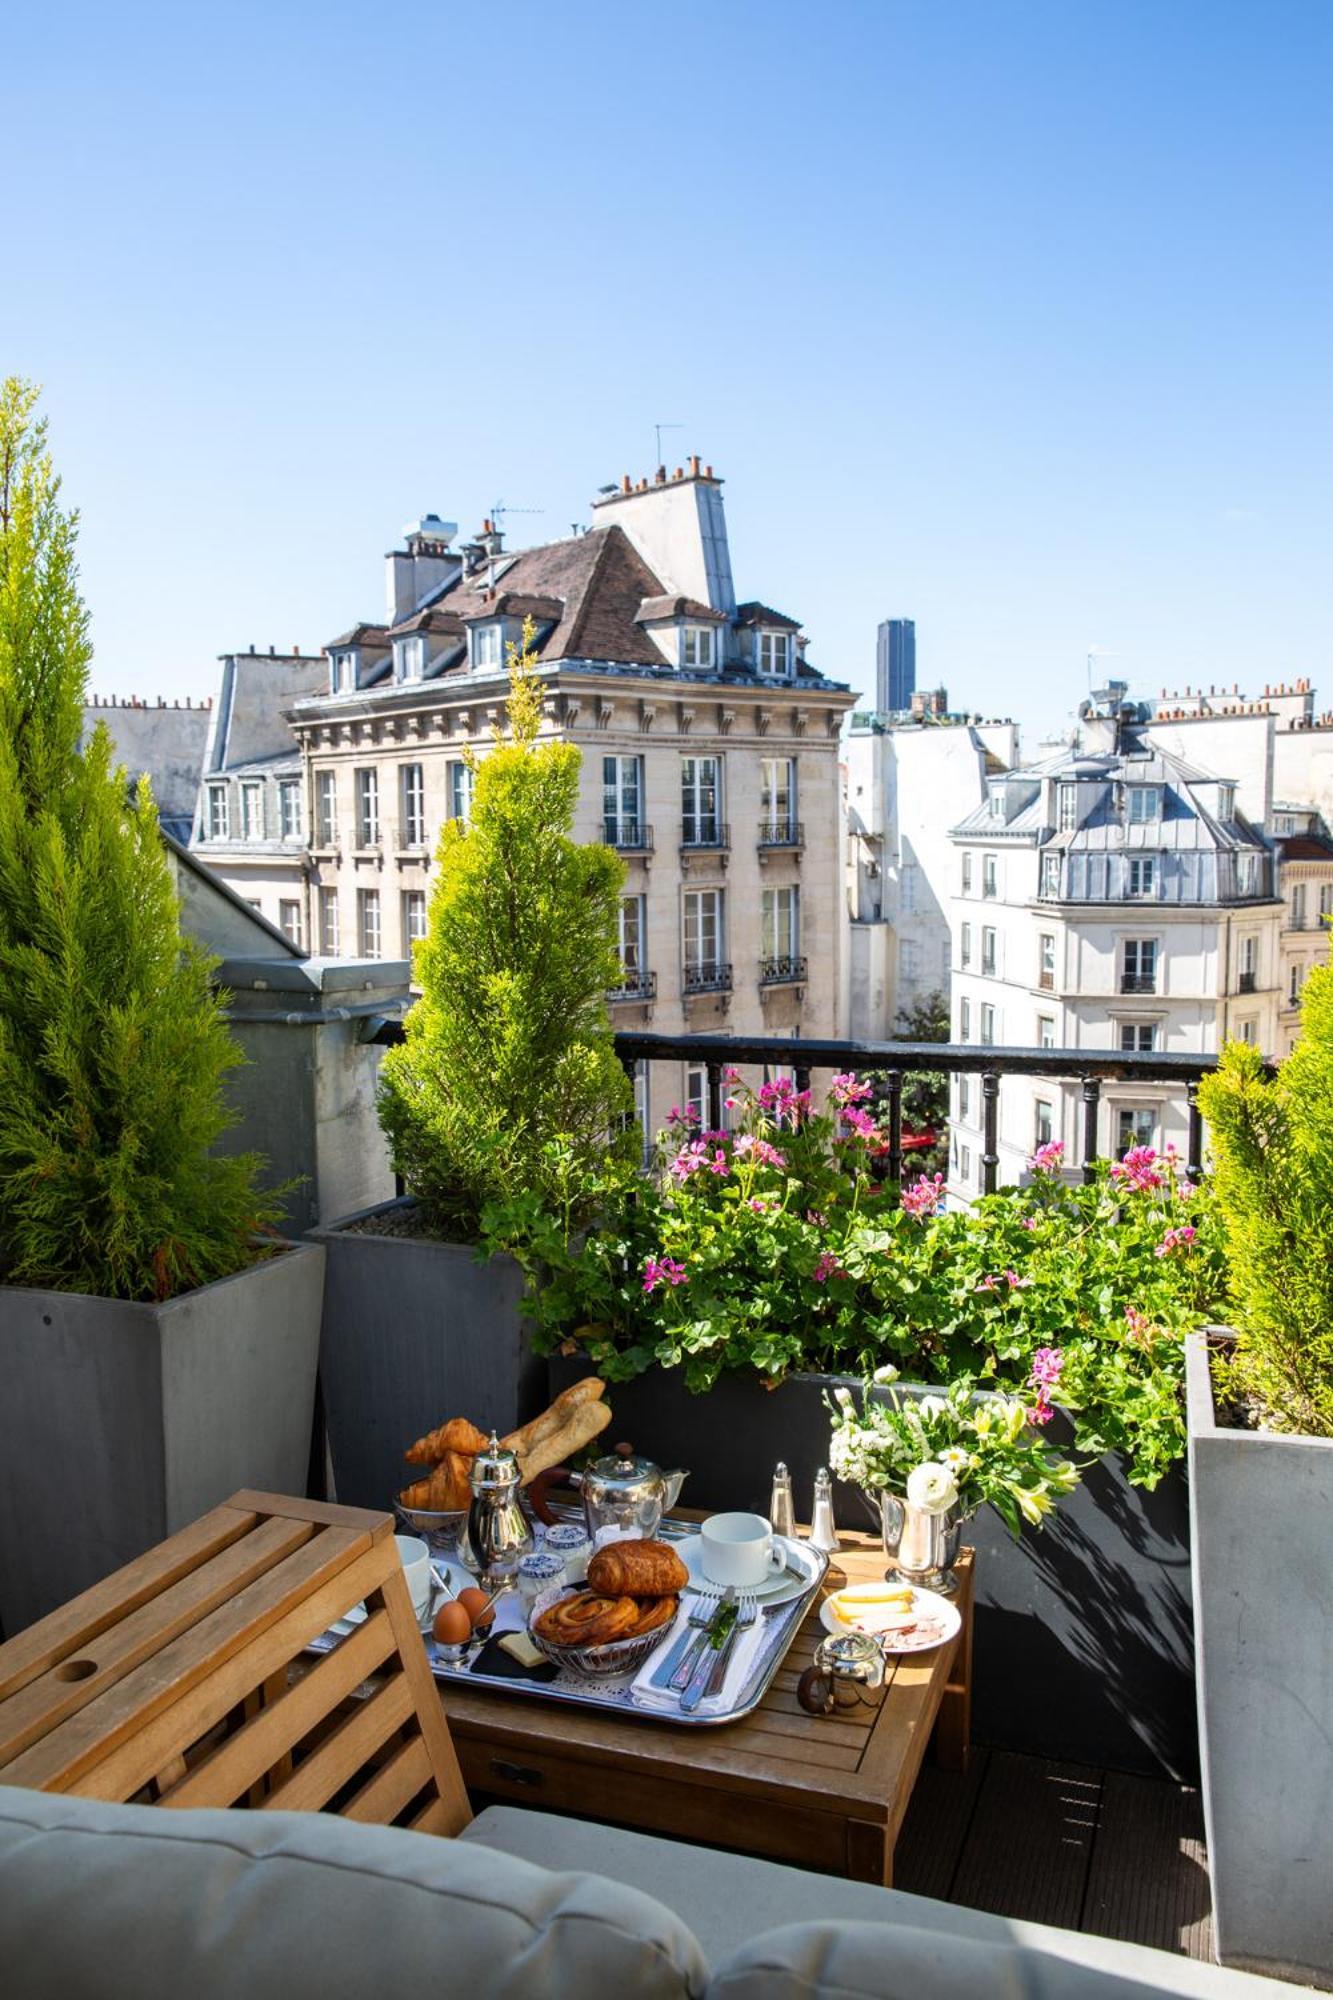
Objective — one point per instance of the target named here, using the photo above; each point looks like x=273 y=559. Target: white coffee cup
x=415 y=1558
x=740 y=1549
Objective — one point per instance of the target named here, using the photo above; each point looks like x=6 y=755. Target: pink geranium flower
x=1176 y=1239
x=1136 y=1324
x=846 y=1088
x=662 y=1271
x=748 y=1146
x=923 y=1197
x=1047 y=1366
x=828 y=1267
x=1046 y=1159
x=1139 y=1170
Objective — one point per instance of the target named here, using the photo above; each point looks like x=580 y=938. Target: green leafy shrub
x=1272 y=1142
x=113 y=1047
x=508 y=1052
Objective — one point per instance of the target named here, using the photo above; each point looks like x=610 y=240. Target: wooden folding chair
x=169 y=1683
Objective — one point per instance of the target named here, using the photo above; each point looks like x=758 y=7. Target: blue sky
x=1014 y=318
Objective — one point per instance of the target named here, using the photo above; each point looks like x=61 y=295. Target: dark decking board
x=1065 y=1844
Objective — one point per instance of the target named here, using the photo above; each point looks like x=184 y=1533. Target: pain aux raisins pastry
x=585 y=1619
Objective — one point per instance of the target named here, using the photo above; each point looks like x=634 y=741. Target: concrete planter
x=415 y=1331
x=121 y=1423
x=1083 y=1633
x=1261 y=1511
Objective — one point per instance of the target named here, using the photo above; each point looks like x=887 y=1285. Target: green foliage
x=1272 y=1142
x=508 y=1076
x=113 y=1048
x=925 y=1091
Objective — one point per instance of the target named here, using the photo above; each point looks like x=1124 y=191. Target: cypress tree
x=508 y=1080
x=113 y=1046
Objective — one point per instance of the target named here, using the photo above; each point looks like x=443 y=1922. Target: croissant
x=457 y=1435
x=587 y=1620
x=637 y=1569
x=653 y=1614
x=448 y=1489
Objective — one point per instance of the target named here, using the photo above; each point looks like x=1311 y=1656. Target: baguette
x=586 y=1423
x=528 y=1436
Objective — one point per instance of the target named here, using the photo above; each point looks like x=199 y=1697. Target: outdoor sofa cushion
x=732 y=1903
x=112 y=1902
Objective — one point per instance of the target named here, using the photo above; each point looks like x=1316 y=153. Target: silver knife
x=696 y=1629
x=714 y=1641
x=689 y=1660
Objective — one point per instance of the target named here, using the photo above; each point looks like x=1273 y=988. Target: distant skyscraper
x=895 y=665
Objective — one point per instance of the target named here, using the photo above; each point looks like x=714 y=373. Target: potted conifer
x=507 y=1077
x=158 y=1344
x=1260 y=1400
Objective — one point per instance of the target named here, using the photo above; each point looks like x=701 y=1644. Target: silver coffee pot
x=497 y=1532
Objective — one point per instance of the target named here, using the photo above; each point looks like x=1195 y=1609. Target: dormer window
x=1145 y=804
x=1226 y=802
x=1247 y=874
x=697 y=646
x=342 y=672
x=775 y=654
x=487 y=645
x=1068 y=803
x=997 y=805
x=409 y=657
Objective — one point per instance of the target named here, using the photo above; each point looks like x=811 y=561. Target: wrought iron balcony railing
x=630 y=836
x=710 y=977
x=1138 y=982
x=635 y=986
x=781 y=971
x=781 y=833
x=704 y=833
x=1247 y=982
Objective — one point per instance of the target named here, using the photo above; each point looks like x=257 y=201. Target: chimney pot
x=626 y=484
x=659 y=477
x=273 y=652
x=680 y=472
x=694 y=465
x=708 y=472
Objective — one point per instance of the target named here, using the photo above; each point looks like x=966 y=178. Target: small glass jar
x=537 y=1572
x=569 y=1541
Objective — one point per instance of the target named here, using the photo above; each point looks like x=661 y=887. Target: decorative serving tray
x=617 y=1693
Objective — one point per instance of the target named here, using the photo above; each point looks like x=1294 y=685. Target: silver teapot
x=497 y=1532
x=628 y=1494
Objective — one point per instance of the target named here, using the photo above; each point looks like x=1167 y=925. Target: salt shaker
x=781 y=1512
x=823 y=1534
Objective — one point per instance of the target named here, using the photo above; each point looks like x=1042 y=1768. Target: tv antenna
x=499 y=508
x=657 y=437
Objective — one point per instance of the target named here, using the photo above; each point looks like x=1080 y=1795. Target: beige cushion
x=109 y=1902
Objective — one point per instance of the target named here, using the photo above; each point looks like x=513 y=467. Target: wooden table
x=825 y=1792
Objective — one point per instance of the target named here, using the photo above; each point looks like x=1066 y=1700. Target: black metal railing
x=781 y=833
x=1138 y=982
x=629 y=836
x=712 y=977
x=781 y=971
x=635 y=986
x=1247 y=982
x=704 y=833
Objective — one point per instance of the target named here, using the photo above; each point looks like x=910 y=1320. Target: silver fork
x=705 y=1604
x=747 y=1610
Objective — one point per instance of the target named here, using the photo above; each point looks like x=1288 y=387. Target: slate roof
x=1305 y=847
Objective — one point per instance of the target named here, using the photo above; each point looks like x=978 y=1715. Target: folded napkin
x=746 y=1649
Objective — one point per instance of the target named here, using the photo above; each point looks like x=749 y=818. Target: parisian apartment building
x=1111 y=897
x=710 y=758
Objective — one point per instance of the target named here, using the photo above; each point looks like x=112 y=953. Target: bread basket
x=616 y=1656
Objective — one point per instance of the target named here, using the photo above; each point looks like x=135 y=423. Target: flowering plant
x=954 y=1450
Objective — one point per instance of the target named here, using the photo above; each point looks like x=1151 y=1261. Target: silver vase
x=922 y=1548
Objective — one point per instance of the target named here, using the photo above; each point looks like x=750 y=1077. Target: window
x=1139 y=971
x=779 y=925
x=1050 y=874
x=988 y=875
x=1138 y=1037
x=696 y=1091
x=1294 y=990
x=1046 y=961
x=1249 y=956
x=967 y=874
x=1045 y=1031
x=1325 y=901
x=964 y=1019
x=1284 y=823
x=409 y=657
x=328 y=923
x=367 y=807
x=411 y=805
x=965 y=946
x=964 y=1163
x=987 y=1025
x=342 y=672
x=289 y=920
x=1226 y=802
x=697 y=646
x=965 y=1099
x=289 y=808
x=1248 y=875
x=252 y=811
x=414 y=918
x=988 y=950
x=702 y=934
x=997 y=804
x=1135 y=1127
x=218 y=819
x=326 y=808
x=1247 y=1031
x=1298 y=907
x=1043 y=1124
x=622 y=801
x=460 y=777
x=631 y=942
x=1068 y=808
x=487 y=645
x=775 y=653
x=777 y=797
x=909 y=960
x=700 y=798
x=1143 y=804
x=368 y=922
x=1142 y=875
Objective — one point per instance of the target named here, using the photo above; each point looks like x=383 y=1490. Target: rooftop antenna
x=657 y=439
x=499 y=509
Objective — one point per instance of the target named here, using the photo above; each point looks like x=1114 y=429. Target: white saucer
x=357 y=1616
x=774 y=1590
x=936 y=1622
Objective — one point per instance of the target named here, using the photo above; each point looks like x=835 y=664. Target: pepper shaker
x=781 y=1511
x=823 y=1534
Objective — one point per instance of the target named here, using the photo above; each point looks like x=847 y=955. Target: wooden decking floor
x=1090 y=1850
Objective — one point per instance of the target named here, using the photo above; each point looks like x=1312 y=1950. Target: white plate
x=774 y=1590
x=936 y=1622
x=357 y=1616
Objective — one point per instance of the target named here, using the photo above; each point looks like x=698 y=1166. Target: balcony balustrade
x=1247 y=982
x=781 y=971
x=708 y=976
x=640 y=985
x=704 y=834
x=781 y=833
x=628 y=836
x=1138 y=982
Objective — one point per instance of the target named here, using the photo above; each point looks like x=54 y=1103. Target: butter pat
x=519 y=1647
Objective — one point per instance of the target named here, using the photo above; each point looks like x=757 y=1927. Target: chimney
x=694 y=465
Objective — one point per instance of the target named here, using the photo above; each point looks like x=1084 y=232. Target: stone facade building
x=710 y=757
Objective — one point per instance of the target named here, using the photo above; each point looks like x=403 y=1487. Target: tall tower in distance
x=895 y=665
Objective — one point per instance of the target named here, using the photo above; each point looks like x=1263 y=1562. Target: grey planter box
x=1261 y=1508
x=414 y=1332
x=1083 y=1629
x=121 y=1423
